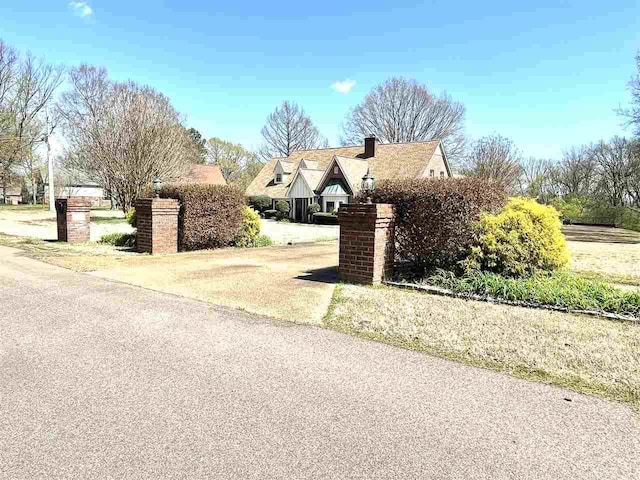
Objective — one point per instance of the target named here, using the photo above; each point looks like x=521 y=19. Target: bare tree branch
x=495 y=158
x=401 y=110
x=289 y=129
x=122 y=134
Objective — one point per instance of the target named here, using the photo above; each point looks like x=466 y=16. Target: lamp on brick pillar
x=156 y=187
x=368 y=185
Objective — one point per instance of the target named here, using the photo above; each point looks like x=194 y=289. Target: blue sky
x=547 y=74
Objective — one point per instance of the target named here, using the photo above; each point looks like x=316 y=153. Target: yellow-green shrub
x=524 y=237
x=250 y=229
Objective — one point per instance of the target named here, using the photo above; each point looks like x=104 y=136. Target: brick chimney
x=369 y=146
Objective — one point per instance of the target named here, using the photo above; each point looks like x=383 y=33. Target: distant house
x=202 y=174
x=12 y=195
x=83 y=188
x=332 y=176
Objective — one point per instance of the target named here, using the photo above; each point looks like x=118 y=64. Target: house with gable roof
x=332 y=176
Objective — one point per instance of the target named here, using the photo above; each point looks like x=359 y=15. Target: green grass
x=119 y=239
x=259 y=241
x=562 y=289
x=29 y=207
x=108 y=220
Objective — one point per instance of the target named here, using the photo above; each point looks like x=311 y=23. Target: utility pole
x=52 y=206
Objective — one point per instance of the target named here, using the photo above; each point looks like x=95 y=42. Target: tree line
x=123 y=134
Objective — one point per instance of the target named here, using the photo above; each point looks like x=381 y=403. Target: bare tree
x=8 y=62
x=615 y=166
x=401 y=110
x=495 y=158
x=634 y=178
x=289 y=129
x=575 y=174
x=232 y=159
x=632 y=114
x=535 y=178
x=27 y=88
x=122 y=134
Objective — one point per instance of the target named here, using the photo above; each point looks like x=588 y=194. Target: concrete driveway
x=105 y=380
x=284 y=232
x=294 y=282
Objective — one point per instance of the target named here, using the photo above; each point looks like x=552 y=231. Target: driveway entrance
x=293 y=282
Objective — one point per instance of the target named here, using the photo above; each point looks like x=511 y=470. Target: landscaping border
x=487 y=298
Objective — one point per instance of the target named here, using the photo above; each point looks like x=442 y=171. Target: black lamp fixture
x=156 y=187
x=368 y=184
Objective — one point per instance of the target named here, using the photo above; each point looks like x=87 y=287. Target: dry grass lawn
x=582 y=353
x=608 y=254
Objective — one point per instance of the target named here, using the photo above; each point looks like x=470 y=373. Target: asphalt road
x=103 y=380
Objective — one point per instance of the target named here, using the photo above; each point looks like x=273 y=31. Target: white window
x=441 y=174
x=278 y=178
x=432 y=173
x=336 y=170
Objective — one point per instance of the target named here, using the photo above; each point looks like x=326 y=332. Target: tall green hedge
x=210 y=215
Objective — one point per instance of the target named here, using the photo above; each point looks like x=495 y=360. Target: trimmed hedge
x=210 y=215
x=435 y=217
x=260 y=203
x=282 y=209
x=314 y=208
x=270 y=213
x=324 y=218
x=119 y=239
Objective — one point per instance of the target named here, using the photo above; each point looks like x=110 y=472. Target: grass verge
x=584 y=354
x=80 y=257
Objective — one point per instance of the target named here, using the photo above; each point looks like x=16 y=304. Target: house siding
x=299 y=189
x=436 y=163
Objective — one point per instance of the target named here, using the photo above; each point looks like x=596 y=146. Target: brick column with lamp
x=367 y=242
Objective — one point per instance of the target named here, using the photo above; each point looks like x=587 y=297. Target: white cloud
x=81 y=9
x=343 y=86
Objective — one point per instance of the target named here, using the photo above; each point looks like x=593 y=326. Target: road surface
x=99 y=379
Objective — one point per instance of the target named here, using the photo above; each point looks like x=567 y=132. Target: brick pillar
x=157 y=224
x=366 y=242
x=73 y=216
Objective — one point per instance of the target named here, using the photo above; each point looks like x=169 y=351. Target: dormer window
x=278 y=178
